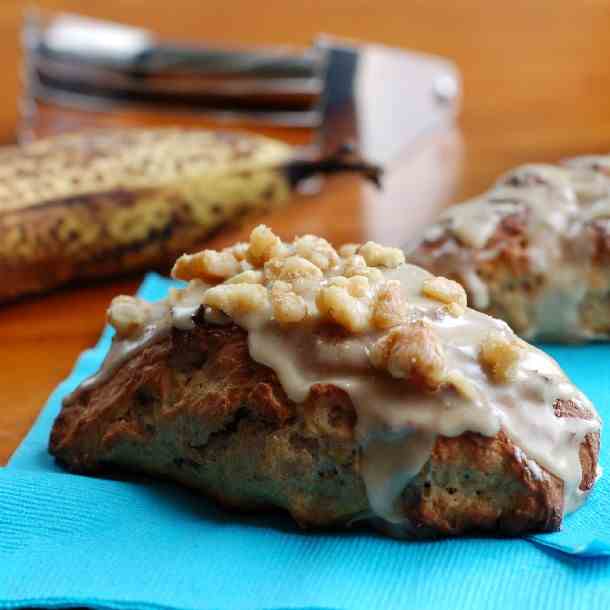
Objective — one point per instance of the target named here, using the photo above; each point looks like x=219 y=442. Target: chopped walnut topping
x=464 y=387
x=238 y=299
x=377 y=255
x=444 y=290
x=208 y=265
x=389 y=308
x=288 y=307
x=316 y=250
x=358 y=286
x=239 y=250
x=128 y=315
x=348 y=250
x=498 y=355
x=272 y=269
x=264 y=245
x=246 y=277
x=290 y=269
x=338 y=280
x=349 y=290
x=413 y=352
x=356 y=265
x=352 y=265
x=338 y=305
x=455 y=309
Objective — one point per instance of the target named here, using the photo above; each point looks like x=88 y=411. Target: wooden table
x=537 y=87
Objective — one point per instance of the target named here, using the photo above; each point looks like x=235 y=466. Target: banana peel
x=110 y=202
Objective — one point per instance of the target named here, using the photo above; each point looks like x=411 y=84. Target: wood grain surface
x=537 y=88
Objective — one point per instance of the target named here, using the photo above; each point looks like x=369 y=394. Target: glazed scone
x=534 y=250
x=339 y=385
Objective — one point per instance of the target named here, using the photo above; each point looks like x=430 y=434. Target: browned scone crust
x=195 y=408
x=507 y=267
x=114 y=201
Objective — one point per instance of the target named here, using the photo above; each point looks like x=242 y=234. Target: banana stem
x=343 y=160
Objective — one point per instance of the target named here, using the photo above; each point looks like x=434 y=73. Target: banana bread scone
x=534 y=250
x=339 y=386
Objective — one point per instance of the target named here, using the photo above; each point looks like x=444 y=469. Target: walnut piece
x=336 y=304
x=239 y=250
x=356 y=265
x=287 y=306
x=445 y=290
x=347 y=250
x=290 y=269
x=412 y=352
x=389 y=308
x=237 y=300
x=377 y=255
x=264 y=245
x=358 y=286
x=128 y=315
x=316 y=250
x=498 y=355
x=338 y=280
x=246 y=277
x=208 y=265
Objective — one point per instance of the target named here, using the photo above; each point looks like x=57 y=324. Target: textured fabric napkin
x=67 y=540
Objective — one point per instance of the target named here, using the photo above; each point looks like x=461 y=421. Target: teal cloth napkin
x=68 y=540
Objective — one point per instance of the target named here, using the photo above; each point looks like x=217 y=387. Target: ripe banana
x=107 y=202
